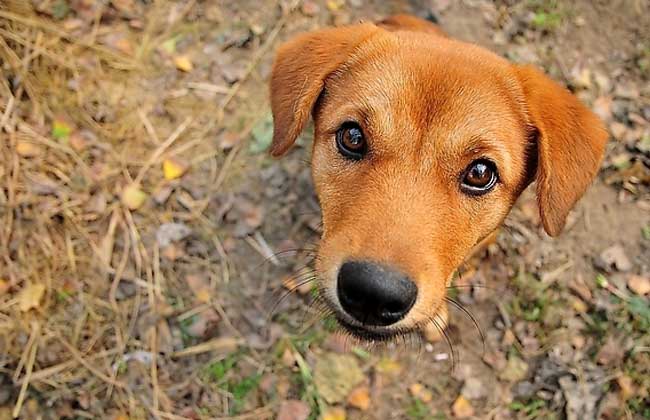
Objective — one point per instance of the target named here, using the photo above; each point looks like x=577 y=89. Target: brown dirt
x=122 y=325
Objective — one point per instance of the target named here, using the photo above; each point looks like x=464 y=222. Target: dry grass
x=63 y=225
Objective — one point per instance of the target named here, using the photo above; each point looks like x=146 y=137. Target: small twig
x=7 y=113
x=161 y=149
x=26 y=352
x=153 y=337
x=43 y=374
x=266 y=249
x=28 y=372
x=220 y=114
x=551 y=276
x=37 y=23
x=80 y=359
x=147 y=126
x=54 y=145
x=117 y=275
x=208 y=87
x=223 y=344
x=504 y=315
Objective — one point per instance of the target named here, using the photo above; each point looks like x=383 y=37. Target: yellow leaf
x=61 y=129
x=173 y=169
x=388 y=366
x=30 y=297
x=27 y=149
x=133 y=197
x=360 y=398
x=4 y=286
x=334 y=5
x=183 y=63
x=462 y=408
x=420 y=392
x=639 y=285
x=626 y=386
x=334 y=413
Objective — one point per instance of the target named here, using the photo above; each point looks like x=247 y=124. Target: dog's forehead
x=428 y=82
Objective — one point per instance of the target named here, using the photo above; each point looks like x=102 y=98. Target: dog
x=422 y=144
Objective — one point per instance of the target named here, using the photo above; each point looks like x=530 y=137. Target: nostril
x=374 y=294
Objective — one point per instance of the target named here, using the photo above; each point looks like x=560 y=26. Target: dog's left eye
x=350 y=141
x=479 y=177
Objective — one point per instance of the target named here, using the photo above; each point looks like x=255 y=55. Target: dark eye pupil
x=350 y=141
x=353 y=138
x=480 y=175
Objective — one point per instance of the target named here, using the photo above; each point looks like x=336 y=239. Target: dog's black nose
x=374 y=294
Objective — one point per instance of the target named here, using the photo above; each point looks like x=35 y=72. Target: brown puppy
x=422 y=145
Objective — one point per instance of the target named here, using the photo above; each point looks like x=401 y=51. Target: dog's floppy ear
x=411 y=23
x=298 y=76
x=570 y=145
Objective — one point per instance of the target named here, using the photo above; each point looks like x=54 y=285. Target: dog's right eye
x=479 y=177
x=350 y=141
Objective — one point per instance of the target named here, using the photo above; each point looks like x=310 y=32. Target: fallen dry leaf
x=515 y=370
x=293 y=410
x=172 y=252
x=615 y=256
x=603 y=107
x=474 y=389
x=462 y=408
x=200 y=287
x=288 y=358
x=168 y=233
x=581 y=77
x=639 y=284
x=133 y=197
x=77 y=142
x=626 y=386
x=203 y=323
x=334 y=413
x=611 y=353
x=4 y=286
x=30 y=297
x=229 y=139
x=420 y=392
x=310 y=8
x=162 y=194
x=581 y=397
x=360 y=398
x=335 y=375
x=618 y=130
x=173 y=169
x=603 y=82
x=61 y=129
x=335 y=5
x=388 y=367
x=183 y=63
x=27 y=149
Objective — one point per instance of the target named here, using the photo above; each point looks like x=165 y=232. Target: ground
x=148 y=244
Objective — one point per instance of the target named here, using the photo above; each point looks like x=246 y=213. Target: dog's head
x=422 y=145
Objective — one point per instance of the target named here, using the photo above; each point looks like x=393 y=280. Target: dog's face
x=422 y=145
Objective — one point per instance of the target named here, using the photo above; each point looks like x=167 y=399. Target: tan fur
x=429 y=105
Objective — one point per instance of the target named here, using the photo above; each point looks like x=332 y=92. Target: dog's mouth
x=370 y=332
